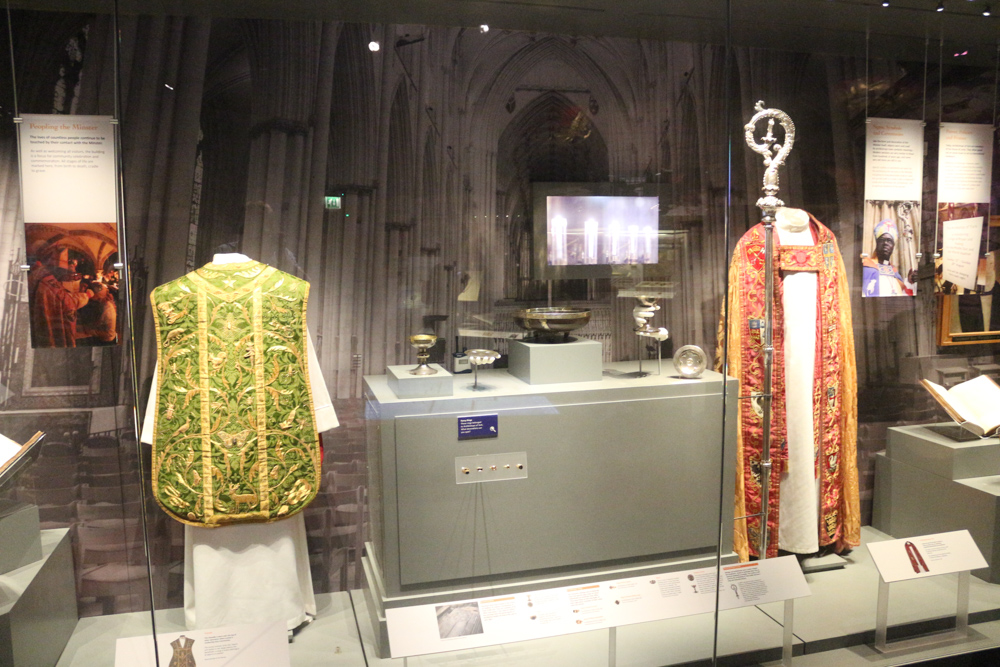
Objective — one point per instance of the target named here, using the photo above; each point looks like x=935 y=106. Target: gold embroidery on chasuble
x=235 y=435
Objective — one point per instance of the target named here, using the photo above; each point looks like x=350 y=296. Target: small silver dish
x=690 y=361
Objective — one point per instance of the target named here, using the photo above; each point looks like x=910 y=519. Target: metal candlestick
x=642 y=314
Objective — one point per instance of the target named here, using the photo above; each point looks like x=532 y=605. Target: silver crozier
x=774 y=156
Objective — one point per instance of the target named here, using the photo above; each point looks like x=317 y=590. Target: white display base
x=405 y=385
x=822 y=563
x=505 y=618
x=831 y=628
x=580 y=360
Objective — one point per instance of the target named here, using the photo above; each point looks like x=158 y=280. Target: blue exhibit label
x=480 y=426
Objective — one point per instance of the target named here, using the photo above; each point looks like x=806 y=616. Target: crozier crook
x=774 y=153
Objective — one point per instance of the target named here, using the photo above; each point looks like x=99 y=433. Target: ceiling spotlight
x=986 y=10
x=373 y=45
x=940 y=6
x=484 y=28
x=885 y=3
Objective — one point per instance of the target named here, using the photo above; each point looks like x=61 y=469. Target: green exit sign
x=333 y=203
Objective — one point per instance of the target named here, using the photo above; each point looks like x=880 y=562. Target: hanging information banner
x=965 y=162
x=894 y=170
x=68 y=183
x=965 y=168
x=501 y=619
x=67 y=168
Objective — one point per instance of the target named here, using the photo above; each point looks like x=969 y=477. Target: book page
x=981 y=397
x=8 y=450
x=952 y=405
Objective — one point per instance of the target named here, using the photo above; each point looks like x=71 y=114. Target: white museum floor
x=834 y=626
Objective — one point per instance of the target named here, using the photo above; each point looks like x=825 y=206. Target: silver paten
x=690 y=361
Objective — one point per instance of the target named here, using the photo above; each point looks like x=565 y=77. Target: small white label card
x=557 y=611
x=960 y=251
x=258 y=645
x=770 y=580
x=926 y=556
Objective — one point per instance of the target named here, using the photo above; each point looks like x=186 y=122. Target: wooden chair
x=87 y=512
x=111 y=563
x=112 y=479
x=99 y=442
x=101 y=465
x=57 y=516
x=109 y=494
x=45 y=474
x=54 y=496
x=57 y=450
x=341 y=481
x=348 y=513
x=324 y=553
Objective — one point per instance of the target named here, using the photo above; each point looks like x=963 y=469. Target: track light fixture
x=940 y=6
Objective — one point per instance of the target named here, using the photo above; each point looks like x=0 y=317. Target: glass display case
x=498 y=333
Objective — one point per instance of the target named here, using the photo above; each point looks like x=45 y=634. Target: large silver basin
x=548 y=323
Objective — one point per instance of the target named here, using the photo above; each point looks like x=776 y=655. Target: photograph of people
x=880 y=277
x=72 y=284
x=899 y=223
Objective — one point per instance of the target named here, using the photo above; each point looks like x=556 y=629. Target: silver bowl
x=548 y=323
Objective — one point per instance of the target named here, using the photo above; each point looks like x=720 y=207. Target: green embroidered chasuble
x=234 y=436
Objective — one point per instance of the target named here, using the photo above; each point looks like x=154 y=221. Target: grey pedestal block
x=38 y=606
x=622 y=476
x=406 y=385
x=552 y=363
x=926 y=483
x=20 y=537
x=920 y=447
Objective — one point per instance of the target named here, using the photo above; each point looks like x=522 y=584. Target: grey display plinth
x=21 y=542
x=580 y=360
x=927 y=483
x=622 y=478
x=406 y=385
x=38 y=605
